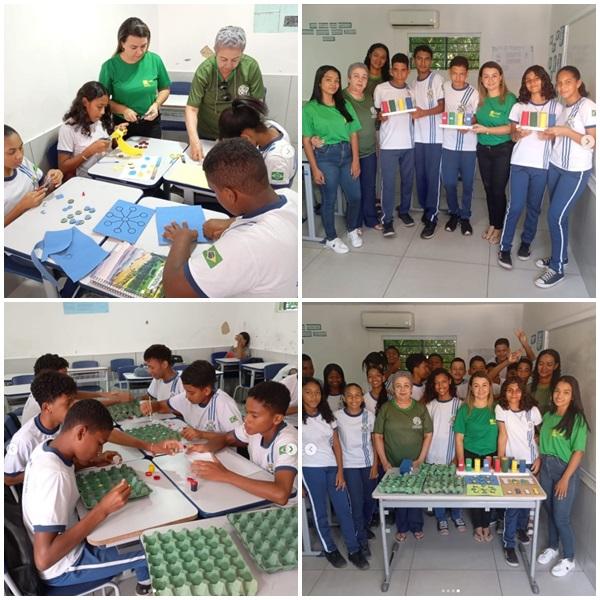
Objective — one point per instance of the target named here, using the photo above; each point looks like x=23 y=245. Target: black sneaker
x=388 y=230
x=370 y=534
x=523 y=537
x=544 y=263
x=423 y=219
x=510 y=556
x=524 y=251
x=366 y=550
x=143 y=589
x=358 y=560
x=406 y=219
x=428 y=231
x=549 y=278
x=336 y=559
x=452 y=223
x=465 y=227
x=504 y=259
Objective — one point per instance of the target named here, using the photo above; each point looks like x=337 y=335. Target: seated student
x=166 y=382
x=254 y=254
x=203 y=408
x=418 y=366
x=60 y=552
x=291 y=383
x=246 y=118
x=241 y=349
x=54 y=362
x=458 y=369
x=23 y=185
x=272 y=445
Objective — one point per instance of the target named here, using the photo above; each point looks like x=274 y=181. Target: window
x=446 y=48
x=442 y=345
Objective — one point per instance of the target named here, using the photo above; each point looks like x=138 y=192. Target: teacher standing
x=226 y=75
x=136 y=80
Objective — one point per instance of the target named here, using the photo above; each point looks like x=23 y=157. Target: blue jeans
x=514 y=518
x=565 y=188
x=559 y=511
x=334 y=160
x=320 y=486
x=409 y=519
x=428 y=158
x=454 y=163
x=360 y=488
x=368 y=178
x=389 y=160
x=526 y=185
x=440 y=514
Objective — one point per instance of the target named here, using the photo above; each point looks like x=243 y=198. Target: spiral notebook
x=130 y=272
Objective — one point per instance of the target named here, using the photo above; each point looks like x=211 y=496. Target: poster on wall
x=85 y=308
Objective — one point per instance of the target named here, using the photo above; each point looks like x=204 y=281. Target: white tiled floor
x=438 y=566
x=449 y=265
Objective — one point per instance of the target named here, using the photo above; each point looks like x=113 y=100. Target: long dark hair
x=132 y=26
x=527 y=402
x=244 y=113
x=77 y=115
x=323 y=407
x=548 y=91
x=328 y=369
x=430 y=394
x=385 y=70
x=338 y=97
x=535 y=377
x=575 y=72
x=383 y=397
x=574 y=409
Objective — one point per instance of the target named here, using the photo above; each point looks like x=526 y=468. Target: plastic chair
x=120 y=362
x=120 y=371
x=180 y=367
x=20 y=379
x=214 y=356
x=86 y=364
x=271 y=370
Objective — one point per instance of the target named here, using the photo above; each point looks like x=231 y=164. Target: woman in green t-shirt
x=544 y=377
x=476 y=434
x=494 y=144
x=137 y=81
x=563 y=438
x=403 y=430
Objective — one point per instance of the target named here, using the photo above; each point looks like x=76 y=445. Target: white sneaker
x=547 y=556
x=355 y=238
x=563 y=567
x=337 y=246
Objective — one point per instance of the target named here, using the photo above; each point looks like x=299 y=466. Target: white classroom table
x=280 y=583
x=255 y=368
x=128 y=453
x=131 y=378
x=14 y=392
x=108 y=169
x=431 y=501
x=25 y=232
x=173 y=108
x=141 y=421
x=229 y=365
x=163 y=506
x=102 y=375
x=213 y=497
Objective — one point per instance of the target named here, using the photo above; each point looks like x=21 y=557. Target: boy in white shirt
x=458 y=370
x=272 y=445
x=418 y=366
x=166 y=382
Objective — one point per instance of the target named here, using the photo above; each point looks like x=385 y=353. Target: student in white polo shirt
x=166 y=381
x=253 y=255
x=50 y=494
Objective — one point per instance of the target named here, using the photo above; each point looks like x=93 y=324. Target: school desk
x=173 y=109
x=230 y=365
x=431 y=501
x=132 y=380
x=280 y=583
x=143 y=171
x=127 y=453
x=25 y=232
x=255 y=369
x=163 y=506
x=16 y=394
x=90 y=375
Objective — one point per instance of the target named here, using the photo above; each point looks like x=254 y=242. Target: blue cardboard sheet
x=192 y=215
x=125 y=221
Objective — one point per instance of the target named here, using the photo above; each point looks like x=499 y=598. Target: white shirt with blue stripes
x=442 y=413
x=355 y=436
x=428 y=92
x=460 y=101
x=220 y=413
x=520 y=429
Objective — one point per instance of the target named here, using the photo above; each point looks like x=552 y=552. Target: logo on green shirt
x=147 y=82
x=492 y=421
x=212 y=257
x=495 y=114
x=417 y=423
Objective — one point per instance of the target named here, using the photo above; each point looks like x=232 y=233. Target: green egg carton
x=128 y=410
x=93 y=486
x=270 y=536
x=154 y=433
x=408 y=483
x=197 y=562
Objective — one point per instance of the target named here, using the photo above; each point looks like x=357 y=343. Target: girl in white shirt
x=334 y=383
x=377 y=395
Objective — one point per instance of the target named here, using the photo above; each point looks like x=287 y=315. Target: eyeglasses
x=224 y=89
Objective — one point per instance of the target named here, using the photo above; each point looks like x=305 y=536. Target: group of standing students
x=346 y=134
x=351 y=438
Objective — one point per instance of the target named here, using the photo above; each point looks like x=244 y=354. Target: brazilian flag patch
x=277 y=175
x=212 y=257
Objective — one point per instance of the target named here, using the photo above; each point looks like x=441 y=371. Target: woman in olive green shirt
x=137 y=81
x=494 y=144
x=544 y=377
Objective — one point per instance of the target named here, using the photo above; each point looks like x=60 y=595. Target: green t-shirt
x=211 y=96
x=555 y=443
x=403 y=430
x=372 y=84
x=365 y=111
x=136 y=86
x=543 y=396
x=328 y=122
x=492 y=113
x=479 y=428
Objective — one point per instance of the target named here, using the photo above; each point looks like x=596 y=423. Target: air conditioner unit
x=387 y=320
x=414 y=18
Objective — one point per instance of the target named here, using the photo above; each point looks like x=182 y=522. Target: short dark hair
x=91 y=413
x=422 y=48
x=502 y=341
x=51 y=362
x=306 y=357
x=414 y=360
x=236 y=163
x=159 y=352
x=475 y=358
x=49 y=385
x=273 y=395
x=436 y=354
x=459 y=61
x=400 y=58
x=8 y=131
x=458 y=359
x=200 y=373
x=526 y=361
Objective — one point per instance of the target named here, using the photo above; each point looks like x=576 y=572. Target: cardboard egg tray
x=94 y=485
x=270 y=536
x=197 y=562
x=408 y=483
x=155 y=432
x=129 y=410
